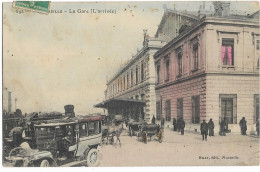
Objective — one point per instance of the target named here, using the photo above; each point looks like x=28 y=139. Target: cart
x=133 y=128
x=150 y=130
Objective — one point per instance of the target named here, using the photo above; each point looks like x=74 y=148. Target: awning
x=115 y=102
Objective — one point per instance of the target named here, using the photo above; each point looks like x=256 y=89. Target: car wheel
x=45 y=163
x=92 y=158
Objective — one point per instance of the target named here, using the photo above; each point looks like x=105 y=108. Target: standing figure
x=257 y=127
x=243 y=126
x=153 y=120
x=182 y=126
x=178 y=125
x=222 y=128
x=162 y=122
x=174 y=123
x=204 y=130
x=211 y=127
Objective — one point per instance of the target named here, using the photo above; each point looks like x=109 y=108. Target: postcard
x=126 y=84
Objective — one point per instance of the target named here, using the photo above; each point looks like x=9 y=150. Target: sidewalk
x=180 y=150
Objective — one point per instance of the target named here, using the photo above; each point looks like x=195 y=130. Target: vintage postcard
x=109 y=84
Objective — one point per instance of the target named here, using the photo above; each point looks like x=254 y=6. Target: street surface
x=178 y=150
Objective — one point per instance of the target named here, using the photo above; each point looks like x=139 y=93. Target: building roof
x=189 y=14
x=119 y=101
x=199 y=22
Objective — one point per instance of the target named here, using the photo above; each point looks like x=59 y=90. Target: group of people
x=178 y=125
x=208 y=128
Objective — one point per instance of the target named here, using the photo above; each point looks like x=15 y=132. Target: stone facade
x=136 y=81
x=209 y=71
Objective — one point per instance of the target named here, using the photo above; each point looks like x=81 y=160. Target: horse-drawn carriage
x=112 y=129
x=150 y=130
x=133 y=127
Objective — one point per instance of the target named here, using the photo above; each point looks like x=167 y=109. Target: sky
x=65 y=58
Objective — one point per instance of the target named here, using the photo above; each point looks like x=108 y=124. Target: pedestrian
x=222 y=128
x=243 y=126
x=257 y=127
x=204 y=130
x=178 y=125
x=226 y=125
x=211 y=127
x=162 y=122
x=182 y=126
x=153 y=120
x=174 y=123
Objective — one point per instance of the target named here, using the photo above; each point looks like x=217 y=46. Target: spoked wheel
x=92 y=158
x=145 y=137
x=160 y=136
x=45 y=163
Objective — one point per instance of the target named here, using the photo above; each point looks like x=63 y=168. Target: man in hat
x=211 y=127
x=153 y=120
x=182 y=126
x=174 y=123
x=204 y=129
x=178 y=124
x=162 y=122
x=243 y=126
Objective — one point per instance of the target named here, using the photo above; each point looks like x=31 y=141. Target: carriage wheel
x=92 y=158
x=160 y=136
x=45 y=163
x=145 y=137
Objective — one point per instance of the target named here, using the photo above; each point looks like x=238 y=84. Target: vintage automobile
x=61 y=142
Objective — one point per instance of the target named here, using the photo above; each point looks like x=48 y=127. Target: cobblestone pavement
x=178 y=150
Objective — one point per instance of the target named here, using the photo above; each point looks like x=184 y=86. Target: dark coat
x=211 y=125
x=242 y=124
x=182 y=123
x=204 y=128
x=174 y=122
x=153 y=120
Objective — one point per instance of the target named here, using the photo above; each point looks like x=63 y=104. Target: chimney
x=225 y=8
x=222 y=8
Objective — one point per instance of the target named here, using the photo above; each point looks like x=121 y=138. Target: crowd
x=207 y=128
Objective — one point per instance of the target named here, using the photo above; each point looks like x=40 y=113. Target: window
x=256 y=107
x=180 y=108
x=136 y=74
x=227 y=52
x=158 y=110
x=136 y=97
x=93 y=128
x=83 y=130
x=228 y=105
x=158 y=73
x=195 y=56
x=179 y=64
x=127 y=81
x=124 y=82
x=258 y=44
x=132 y=81
x=142 y=97
x=167 y=68
x=195 y=109
x=142 y=71
x=168 y=110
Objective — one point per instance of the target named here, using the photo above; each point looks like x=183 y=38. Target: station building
x=131 y=91
x=211 y=70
